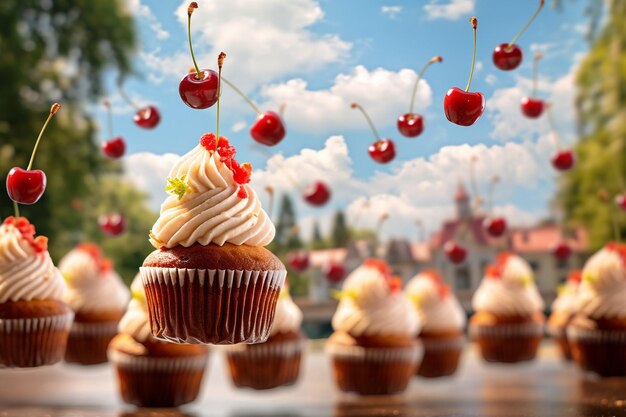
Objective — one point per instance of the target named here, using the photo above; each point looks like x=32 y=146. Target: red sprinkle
x=227 y=152
x=620 y=248
x=394 y=282
x=495 y=271
x=93 y=250
x=27 y=230
x=575 y=276
x=435 y=276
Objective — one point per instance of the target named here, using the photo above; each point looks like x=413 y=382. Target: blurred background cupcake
x=276 y=362
x=153 y=373
x=563 y=309
x=508 y=321
x=443 y=323
x=98 y=297
x=597 y=333
x=373 y=349
x=34 y=321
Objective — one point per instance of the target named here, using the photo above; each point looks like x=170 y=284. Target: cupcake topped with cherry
x=563 y=310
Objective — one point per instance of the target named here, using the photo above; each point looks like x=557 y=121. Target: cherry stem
x=241 y=93
x=16 y=208
x=419 y=77
x=538 y=56
x=281 y=110
x=381 y=221
x=474 y=22
x=109 y=117
x=492 y=185
x=123 y=94
x=541 y=3
x=355 y=105
x=473 y=185
x=359 y=212
x=270 y=192
x=55 y=108
x=555 y=136
x=192 y=6
x=220 y=62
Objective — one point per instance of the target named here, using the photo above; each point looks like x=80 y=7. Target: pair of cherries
x=299 y=261
x=200 y=89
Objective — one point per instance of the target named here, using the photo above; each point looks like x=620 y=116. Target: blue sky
x=317 y=56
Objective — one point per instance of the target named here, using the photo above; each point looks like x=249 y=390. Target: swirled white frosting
x=288 y=316
x=512 y=293
x=565 y=302
x=602 y=293
x=369 y=307
x=26 y=274
x=437 y=310
x=89 y=289
x=135 y=321
x=211 y=210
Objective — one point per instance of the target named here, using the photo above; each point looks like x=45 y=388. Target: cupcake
x=508 y=319
x=152 y=373
x=373 y=349
x=98 y=297
x=443 y=323
x=597 y=333
x=34 y=320
x=211 y=280
x=276 y=362
x=563 y=312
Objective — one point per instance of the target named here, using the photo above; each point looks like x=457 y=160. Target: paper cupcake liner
x=432 y=344
x=556 y=331
x=599 y=351
x=266 y=365
x=88 y=342
x=507 y=330
x=508 y=343
x=373 y=371
x=211 y=306
x=158 y=382
x=36 y=341
x=441 y=356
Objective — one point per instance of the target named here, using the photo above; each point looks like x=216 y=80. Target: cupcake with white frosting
x=562 y=312
x=597 y=333
x=176 y=371
x=211 y=280
x=98 y=297
x=373 y=349
x=275 y=362
x=508 y=315
x=443 y=323
x=34 y=320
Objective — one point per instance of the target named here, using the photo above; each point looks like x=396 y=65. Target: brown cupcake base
x=377 y=368
x=598 y=346
x=507 y=339
x=88 y=342
x=267 y=365
x=33 y=333
x=442 y=353
x=557 y=325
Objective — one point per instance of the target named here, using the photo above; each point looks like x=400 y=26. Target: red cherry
x=532 y=107
x=298 y=260
x=495 y=226
x=463 y=108
x=199 y=93
x=561 y=251
x=334 y=272
x=317 y=194
x=147 y=117
x=411 y=124
x=563 y=160
x=112 y=224
x=507 y=57
x=268 y=128
x=620 y=200
x=455 y=252
x=114 y=148
x=382 y=151
x=26 y=186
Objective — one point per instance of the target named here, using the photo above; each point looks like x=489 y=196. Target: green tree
x=317 y=240
x=287 y=234
x=58 y=51
x=601 y=153
x=339 y=235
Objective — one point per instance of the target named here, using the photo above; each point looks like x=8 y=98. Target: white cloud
x=239 y=126
x=451 y=10
x=391 y=11
x=491 y=79
x=263 y=40
x=383 y=94
x=148 y=172
x=136 y=8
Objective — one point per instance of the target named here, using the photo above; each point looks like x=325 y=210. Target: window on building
x=534 y=265
x=462 y=279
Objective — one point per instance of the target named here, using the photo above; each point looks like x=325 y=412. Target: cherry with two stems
x=508 y=56
x=562 y=159
x=26 y=186
x=461 y=106
x=116 y=147
x=147 y=117
x=532 y=106
x=383 y=150
x=412 y=124
x=198 y=89
x=112 y=224
x=495 y=226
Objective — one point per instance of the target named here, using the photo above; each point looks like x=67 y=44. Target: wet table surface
x=546 y=387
